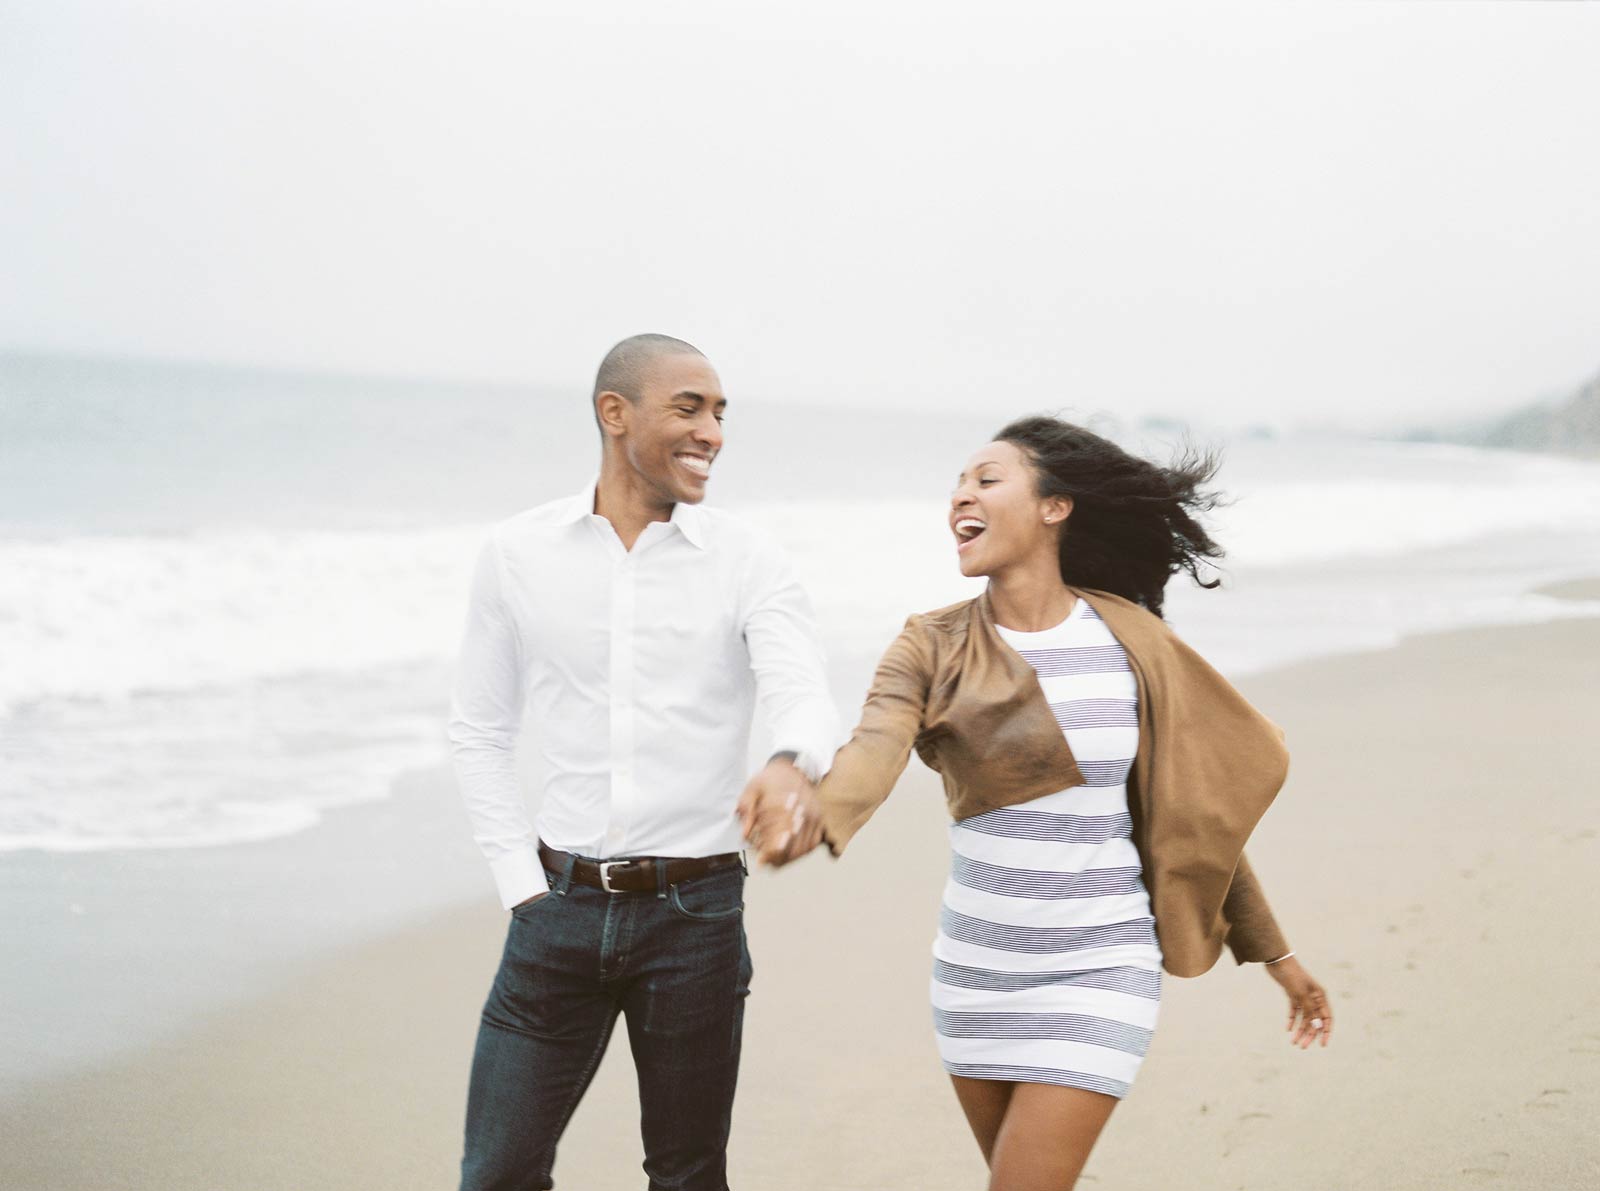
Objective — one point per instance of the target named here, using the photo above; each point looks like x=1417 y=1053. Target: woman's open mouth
x=968 y=530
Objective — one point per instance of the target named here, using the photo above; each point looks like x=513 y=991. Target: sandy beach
x=1432 y=859
x=374 y=376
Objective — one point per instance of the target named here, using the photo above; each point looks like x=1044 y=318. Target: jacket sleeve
x=867 y=767
x=1253 y=934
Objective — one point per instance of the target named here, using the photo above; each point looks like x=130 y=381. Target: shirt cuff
x=808 y=762
x=518 y=876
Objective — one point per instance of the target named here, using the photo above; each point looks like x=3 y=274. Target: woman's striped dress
x=1046 y=968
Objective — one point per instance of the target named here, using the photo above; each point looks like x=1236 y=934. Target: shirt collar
x=579 y=505
x=689 y=520
x=691 y=523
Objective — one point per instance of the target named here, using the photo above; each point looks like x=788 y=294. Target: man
x=638 y=630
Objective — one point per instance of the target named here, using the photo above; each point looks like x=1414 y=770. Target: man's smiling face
x=674 y=429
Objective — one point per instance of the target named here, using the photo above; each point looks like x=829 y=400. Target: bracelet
x=1280 y=959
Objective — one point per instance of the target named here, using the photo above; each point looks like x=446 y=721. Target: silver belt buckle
x=605 y=873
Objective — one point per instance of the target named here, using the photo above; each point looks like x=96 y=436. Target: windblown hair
x=1133 y=523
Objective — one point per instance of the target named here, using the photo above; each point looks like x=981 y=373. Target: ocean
x=229 y=599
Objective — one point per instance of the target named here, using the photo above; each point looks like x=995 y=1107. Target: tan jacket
x=1207 y=768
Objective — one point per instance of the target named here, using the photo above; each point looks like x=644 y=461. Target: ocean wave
x=106 y=617
x=213 y=765
x=226 y=686
x=109 y=616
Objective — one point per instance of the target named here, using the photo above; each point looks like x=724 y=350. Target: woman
x=1103 y=780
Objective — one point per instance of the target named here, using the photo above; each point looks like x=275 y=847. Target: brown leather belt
x=637 y=875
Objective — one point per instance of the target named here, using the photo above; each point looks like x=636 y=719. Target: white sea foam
x=1321 y=517
x=107 y=617
x=227 y=685
x=212 y=764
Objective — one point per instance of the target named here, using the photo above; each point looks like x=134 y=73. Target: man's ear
x=612 y=409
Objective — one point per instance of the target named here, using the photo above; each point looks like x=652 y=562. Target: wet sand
x=1573 y=589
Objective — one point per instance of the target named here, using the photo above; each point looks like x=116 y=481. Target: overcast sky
x=1348 y=213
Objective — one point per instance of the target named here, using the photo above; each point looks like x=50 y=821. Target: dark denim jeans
x=674 y=963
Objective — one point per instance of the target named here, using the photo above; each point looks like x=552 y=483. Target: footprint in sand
x=1373 y=1028
x=1488 y=1166
x=1242 y=1128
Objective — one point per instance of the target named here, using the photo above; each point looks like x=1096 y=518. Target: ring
x=1316 y=1023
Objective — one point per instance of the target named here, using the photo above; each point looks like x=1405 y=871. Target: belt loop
x=661 y=878
x=566 y=873
x=743 y=862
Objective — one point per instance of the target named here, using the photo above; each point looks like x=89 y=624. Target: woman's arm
x=785 y=826
x=1254 y=937
x=1253 y=934
x=867 y=767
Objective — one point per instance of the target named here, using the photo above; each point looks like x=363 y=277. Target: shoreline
x=1405 y=859
x=1578 y=590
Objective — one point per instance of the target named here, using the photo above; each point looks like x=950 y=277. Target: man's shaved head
x=628 y=364
x=658 y=405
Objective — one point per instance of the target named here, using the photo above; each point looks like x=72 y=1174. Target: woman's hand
x=779 y=815
x=1310 y=1015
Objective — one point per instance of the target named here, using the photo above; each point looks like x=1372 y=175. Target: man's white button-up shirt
x=639 y=671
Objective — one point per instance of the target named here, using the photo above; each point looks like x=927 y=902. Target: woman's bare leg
x=984 y=1101
x=1045 y=1137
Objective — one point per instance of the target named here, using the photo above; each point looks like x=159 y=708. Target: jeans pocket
x=523 y=909
x=709 y=899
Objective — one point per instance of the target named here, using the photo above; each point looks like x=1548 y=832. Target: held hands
x=779 y=814
x=1310 y=1016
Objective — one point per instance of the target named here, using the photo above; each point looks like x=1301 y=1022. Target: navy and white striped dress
x=1046 y=968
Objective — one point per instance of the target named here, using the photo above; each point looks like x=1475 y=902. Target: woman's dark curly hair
x=1133 y=523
